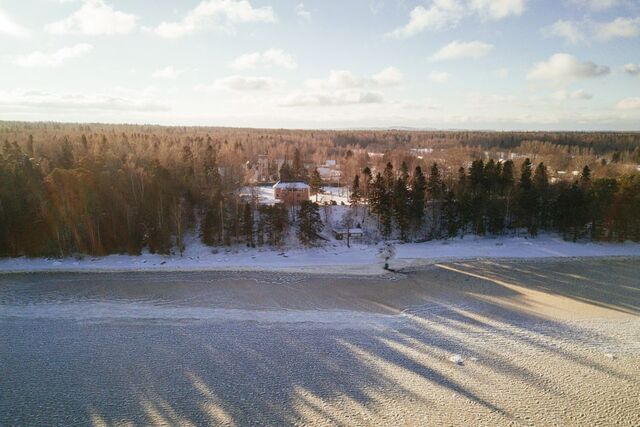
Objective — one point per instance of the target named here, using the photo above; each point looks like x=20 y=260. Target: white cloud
x=629 y=104
x=344 y=79
x=632 y=69
x=439 y=76
x=243 y=83
x=563 y=95
x=390 y=76
x=11 y=28
x=442 y=14
x=337 y=98
x=269 y=58
x=342 y=87
x=95 y=17
x=168 y=73
x=52 y=103
x=52 y=59
x=498 y=9
x=302 y=12
x=619 y=28
x=458 y=50
x=597 y=5
x=563 y=68
x=574 y=32
x=215 y=13
x=570 y=31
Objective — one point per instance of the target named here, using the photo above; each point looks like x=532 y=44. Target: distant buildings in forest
x=291 y=192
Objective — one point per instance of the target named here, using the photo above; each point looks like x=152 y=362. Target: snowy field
x=333 y=258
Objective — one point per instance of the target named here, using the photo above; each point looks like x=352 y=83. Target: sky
x=442 y=64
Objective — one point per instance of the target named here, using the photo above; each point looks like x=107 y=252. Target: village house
x=330 y=171
x=291 y=192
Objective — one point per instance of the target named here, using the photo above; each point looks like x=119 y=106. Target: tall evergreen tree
x=247 y=225
x=401 y=206
x=540 y=186
x=355 y=197
x=526 y=199
x=309 y=223
x=417 y=198
x=389 y=178
x=315 y=184
x=381 y=205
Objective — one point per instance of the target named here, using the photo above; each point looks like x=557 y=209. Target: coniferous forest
x=103 y=189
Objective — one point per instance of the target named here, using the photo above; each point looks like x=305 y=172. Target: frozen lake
x=541 y=342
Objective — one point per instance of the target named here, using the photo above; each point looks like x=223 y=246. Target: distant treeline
x=97 y=198
x=494 y=198
x=102 y=189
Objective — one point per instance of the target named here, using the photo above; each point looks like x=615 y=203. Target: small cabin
x=291 y=192
x=352 y=233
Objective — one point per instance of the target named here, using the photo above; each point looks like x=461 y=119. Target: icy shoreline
x=334 y=258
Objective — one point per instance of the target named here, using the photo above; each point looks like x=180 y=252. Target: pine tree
x=247 y=225
x=463 y=196
x=540 y=186
x=315 y=184
x=417 y=198
x=507 y=182
x=367 y=182
x=285 y=173
x=435 y=186
x=400 y=200
x=526 y=199
x=389 y=178
x=477 y=196
x=381 y=205
x=297 y=167
x=367 y=178
x=309 y=223
x=356 y=196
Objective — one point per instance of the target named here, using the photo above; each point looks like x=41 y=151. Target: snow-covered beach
x=332 y=258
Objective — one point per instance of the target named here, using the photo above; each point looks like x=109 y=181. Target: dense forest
x=101 y=189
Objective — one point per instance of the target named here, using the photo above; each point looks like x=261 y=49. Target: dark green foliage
x=356 y=194
x=315 y=183
x=381 y=205
x=417 y=196
x=401 y=205
x=247 y=225
x=309 y=223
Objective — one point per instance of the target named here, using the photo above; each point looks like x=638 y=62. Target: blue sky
x=471 y=64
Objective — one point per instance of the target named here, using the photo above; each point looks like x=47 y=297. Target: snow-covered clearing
x=333 y=258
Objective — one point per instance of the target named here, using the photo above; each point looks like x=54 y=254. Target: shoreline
x=398 y=266
x=332 y=259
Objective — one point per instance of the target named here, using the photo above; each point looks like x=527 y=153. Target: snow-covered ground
x=333 y=258
x=265 y=194
x=337 y=194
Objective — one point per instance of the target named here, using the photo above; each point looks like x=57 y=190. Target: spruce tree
x=401 y=206
x=247 y=225
x=540 y=185
x=526 y=199
x=309 y=223
x=417 y=198
x=381 y=205
x=356 y=195
x=315 y=183
x=389 y=178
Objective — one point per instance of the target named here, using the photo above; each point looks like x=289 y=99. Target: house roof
x=298 y=185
